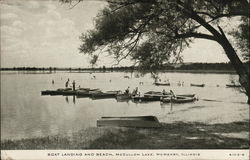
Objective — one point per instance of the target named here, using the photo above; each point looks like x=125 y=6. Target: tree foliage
x=242 y=35
x=152 y=31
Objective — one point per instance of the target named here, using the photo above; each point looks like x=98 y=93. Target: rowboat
x=152 y=92
x=134 y=121
x=123 y=96
x=156 y=95
x=178 y=99
x=59 y=91
x=160 y=95
x=87 y=93
x=232 y=85
x=185 y=95
x=197 y=85
x=161 y=84
x=102 y=95
x=143 y=98
x=48 y=92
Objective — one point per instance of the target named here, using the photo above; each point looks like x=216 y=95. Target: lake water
x=26 y=114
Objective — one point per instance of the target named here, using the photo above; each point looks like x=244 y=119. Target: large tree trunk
x=241 y=70
x=229 y=50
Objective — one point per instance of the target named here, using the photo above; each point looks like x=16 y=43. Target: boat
x=159 y=95
x=197 y=85
x=133 y=121
x=48 y=92
x=102 y=95
x=185 y=95
x=59 y=91
x=232 y=85
x=123 y=96
x=143 y=98
x=161 y=84
x=178 y=99
x=87 y=93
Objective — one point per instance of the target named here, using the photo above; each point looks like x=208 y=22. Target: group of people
x=73 y=84
x=135 y=91
x=180 y=83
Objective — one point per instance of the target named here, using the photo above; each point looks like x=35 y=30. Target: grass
x=177 y=135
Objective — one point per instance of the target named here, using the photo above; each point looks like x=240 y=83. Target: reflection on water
x=25 y=113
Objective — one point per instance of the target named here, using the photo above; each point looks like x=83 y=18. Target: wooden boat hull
x=197 y=85
x=161 y=84
x=123 y=96
x=140 y=121
x=232 y=86
x=51 y=92
x=160 y=96
x=178 y=100
x=145 y=99
x=102 y=95
x=69 y=91
x=83 y=94
x=185 y=95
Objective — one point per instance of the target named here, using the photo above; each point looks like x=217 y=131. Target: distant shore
x=178 y=135
x=182 y=67
x=114 y=70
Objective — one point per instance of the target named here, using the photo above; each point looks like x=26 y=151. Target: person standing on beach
x=74 y=85
x=127 y=90
x=67 y=83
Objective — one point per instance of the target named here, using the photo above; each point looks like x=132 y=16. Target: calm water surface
x=25 y=113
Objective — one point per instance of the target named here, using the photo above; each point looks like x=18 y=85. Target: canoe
x=232 y=85
x=134 y=121
x=197 y=85
x=178 y=99
x=161 y=84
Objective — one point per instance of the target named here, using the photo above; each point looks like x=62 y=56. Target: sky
x=44 y=33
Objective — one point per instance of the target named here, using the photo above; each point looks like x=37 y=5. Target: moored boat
x=160 y=95
x=59 y=91
x=87 y=93
x=133 y=121
x=178 y=99
x=233 y=85
x=161 y=84
x=143 y=98
x=197 y=85
x=102 y=95
x=123 y=96
x=185 y=95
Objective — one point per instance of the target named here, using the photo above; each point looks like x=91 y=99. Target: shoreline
x=135 y=71
x=178 y=135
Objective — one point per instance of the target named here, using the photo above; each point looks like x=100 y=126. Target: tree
x=152 y=31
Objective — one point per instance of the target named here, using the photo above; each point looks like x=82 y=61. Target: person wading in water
x=74 y=85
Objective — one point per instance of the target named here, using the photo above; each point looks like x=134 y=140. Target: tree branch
x=195 y=35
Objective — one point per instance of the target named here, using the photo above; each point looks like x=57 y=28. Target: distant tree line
x=184 y=66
